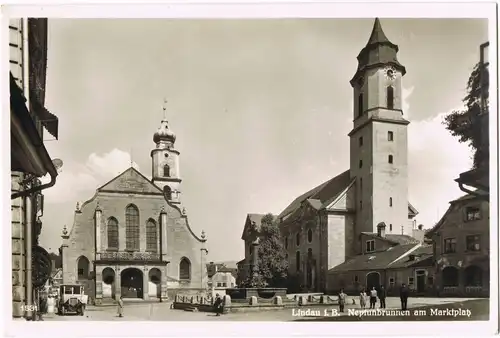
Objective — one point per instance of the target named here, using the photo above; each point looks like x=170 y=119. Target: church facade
x=325 y=226
x=133 y=238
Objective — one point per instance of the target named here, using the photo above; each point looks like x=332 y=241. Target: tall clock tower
x=379 y=139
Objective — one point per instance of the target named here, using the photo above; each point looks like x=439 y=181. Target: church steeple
x=165 y=161
x=379 y=51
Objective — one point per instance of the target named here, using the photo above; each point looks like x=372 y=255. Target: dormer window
x=370 y=245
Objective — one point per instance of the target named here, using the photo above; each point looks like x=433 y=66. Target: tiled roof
x=420 y=254
x=373 y=261
x=396 y=239
x=257 y=219
x=322 y=193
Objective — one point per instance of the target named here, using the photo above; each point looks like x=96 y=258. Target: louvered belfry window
x=132 y=228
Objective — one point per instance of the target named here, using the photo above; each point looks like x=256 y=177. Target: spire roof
x=378 y=35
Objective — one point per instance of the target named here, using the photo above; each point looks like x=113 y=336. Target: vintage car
x=72 y=299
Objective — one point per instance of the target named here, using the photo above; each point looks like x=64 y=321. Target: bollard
x=277 y=300
x=253 y=300
x=302 y=300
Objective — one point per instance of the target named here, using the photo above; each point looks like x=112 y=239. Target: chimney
x=419 y=233
x=381 y=229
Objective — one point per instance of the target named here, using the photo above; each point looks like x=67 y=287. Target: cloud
x=406 y=93
x=76 y=182
x=435 y=159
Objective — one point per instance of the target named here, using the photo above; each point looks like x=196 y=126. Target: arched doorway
x=373 y=280
x=83 y=268
x=154 y=283
x=450 y=276
x=132 y=283
x=473 y=276
x=108 y=283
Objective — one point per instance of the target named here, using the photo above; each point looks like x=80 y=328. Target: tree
x=467 y=124
x=272 y=264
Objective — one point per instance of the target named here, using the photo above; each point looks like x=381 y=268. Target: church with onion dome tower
x=132 y=238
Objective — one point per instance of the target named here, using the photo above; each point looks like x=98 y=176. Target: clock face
x=390 y=73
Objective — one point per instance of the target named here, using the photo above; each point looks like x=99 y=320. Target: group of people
x=372 y=296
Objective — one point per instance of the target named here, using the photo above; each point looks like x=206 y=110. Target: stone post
x=118 y=282
x=145 y=283
x=163 y=236
x=163 y=285
x=98 y=286
x=98 y=242
x=64 y=252
x=255 y=270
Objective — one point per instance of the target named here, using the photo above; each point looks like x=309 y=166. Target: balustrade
x=130 y=256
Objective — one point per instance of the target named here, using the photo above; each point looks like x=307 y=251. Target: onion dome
x=164 y=134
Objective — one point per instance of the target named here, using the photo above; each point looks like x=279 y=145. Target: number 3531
x=29 y=307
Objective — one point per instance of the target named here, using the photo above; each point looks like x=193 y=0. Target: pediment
x=131 y=181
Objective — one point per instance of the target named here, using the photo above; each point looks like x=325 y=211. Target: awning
x=28 y=153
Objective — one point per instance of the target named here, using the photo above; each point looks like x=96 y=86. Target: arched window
x=297 y=239
x=390 y=159
x=185 y=269
x=390 y=97
x=310 y=235
x=390 y=227
x=151 y=236
x=168 y=192
x=132 y=228
x=390 y=201
x=113 y=236
x=360 y=104
x=166 y=171
x=83 y=268
x=297 y=260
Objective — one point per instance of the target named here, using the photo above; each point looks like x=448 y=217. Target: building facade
x=133 y=238
x=31 y=264
x=461 y=245
x=322 y=228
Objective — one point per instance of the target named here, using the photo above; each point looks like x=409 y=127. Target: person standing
x=403 y=295
x=362 y=299
x=342 y=299
x=381 y=296
x=373 y=298
x=218 y=305
x=120 y=306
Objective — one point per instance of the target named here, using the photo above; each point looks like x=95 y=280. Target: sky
x=261 y=110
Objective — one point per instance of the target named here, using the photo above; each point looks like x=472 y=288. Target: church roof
x=130 y=181
x=322 y=195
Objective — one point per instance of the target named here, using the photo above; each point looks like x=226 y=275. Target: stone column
x=64 y=254
x=145 y=283
x=163 y=285
x=255 y=270
x=98 y=286
x=98 y=242
x=118 y=283
x=163 y=235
